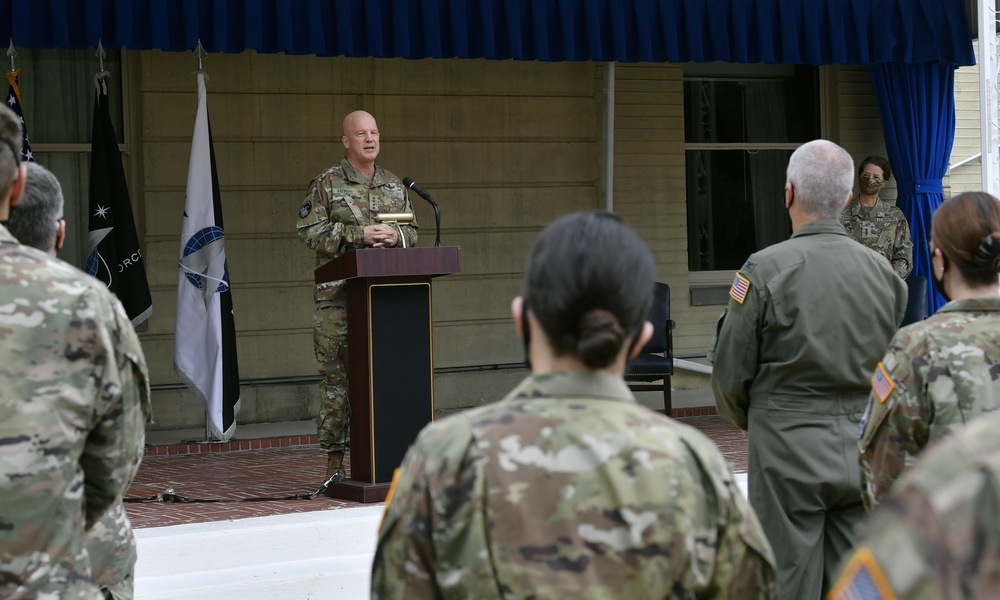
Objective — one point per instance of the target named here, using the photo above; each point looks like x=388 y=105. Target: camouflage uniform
x=340 y=203
x=937 y=535
x=885 y=230
x=938 y=374
x=792 y=365
x=73 y=396
x=111 y=546
x=568 y=489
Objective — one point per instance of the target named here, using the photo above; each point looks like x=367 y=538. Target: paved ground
x=279 y=467
x=319 y=549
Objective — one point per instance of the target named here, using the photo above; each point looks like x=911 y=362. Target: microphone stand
x=408 y=182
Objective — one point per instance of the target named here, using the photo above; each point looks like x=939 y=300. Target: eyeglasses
x=869 y=177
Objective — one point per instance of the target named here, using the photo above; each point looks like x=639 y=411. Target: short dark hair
x=880 y=162
x=589 y=282
x=10 y=148
x=966 y=229
x=35 y=219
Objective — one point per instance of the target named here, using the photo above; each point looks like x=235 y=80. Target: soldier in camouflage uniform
x=73 y=393
x=877 y=224
x=568 y=488
x=37 y=221
x=806 y=323
x=339 y=215
x=937 y=535
x=945 y=370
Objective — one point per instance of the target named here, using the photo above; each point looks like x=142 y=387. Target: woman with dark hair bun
x=940 y=372
x=876 y=224
x=568 y=488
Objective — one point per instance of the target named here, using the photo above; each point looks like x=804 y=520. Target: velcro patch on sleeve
x=882 y=384
x=862 y=579
x=741 y=285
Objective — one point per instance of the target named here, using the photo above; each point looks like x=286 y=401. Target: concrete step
x=322 y=555
x=315 y=555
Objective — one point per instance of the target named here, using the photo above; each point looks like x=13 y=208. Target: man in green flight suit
x=807 y=321
x=339 y=215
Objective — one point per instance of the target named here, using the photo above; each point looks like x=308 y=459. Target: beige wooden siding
x=504 y=147
x=967 y=177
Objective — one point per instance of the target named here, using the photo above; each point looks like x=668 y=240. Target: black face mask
x=525 y=332
x=939 y=283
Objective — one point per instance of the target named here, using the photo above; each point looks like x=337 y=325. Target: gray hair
x=10 y=148
x=34 y=221
x=823 y=176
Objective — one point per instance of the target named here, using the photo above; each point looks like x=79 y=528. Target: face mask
x=526 y=328
x=870 y=187
x=939 y=283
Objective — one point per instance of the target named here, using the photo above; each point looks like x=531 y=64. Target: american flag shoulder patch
x=741 y=285
x=862 y=579
x=882 y=384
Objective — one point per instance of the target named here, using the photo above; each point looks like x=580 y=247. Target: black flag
x=14 y=103
x=115 y=256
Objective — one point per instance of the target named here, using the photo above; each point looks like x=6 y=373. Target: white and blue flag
x=205 y=335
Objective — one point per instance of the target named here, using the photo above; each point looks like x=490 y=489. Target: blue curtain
x=744 y=31
x=917 y=106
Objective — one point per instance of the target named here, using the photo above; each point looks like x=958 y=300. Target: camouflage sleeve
x=903 y=555
x=321 y=228
x=114 y=446
x=744 y=566
x=902 y=249
x=734 y=355
x=895 y=426
x=434 y=533
x=111 y=546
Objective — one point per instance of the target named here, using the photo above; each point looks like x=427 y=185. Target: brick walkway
x=283 y=466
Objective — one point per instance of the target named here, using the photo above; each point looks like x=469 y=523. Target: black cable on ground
x=168 y=495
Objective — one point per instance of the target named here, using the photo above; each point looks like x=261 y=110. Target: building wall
x=967 y=177
x=504 y=146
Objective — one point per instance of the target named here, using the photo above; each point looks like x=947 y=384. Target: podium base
x=358 y=491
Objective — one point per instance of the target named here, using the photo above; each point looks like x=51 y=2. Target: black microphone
x=408 y=182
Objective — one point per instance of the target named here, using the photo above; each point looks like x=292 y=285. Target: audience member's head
x=11 y=171
x=589 y=284
x=37 y=220
x=965 y=232
x=822 y=175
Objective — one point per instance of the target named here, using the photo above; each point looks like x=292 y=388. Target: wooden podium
x=390 y=357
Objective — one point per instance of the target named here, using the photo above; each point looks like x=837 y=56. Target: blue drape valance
x=745 y=31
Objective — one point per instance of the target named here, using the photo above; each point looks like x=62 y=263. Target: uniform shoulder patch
x=741 y=285
x=306 y=208
x=882 y=384
x=862 y=578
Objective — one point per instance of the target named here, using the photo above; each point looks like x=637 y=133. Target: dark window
x=741 y=124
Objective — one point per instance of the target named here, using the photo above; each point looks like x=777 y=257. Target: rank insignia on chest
x=882 y=384
x=741 y=285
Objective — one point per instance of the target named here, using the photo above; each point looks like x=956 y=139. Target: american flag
x=14 y=103
x=882 y=385
x=862 y=580
x=741 y=285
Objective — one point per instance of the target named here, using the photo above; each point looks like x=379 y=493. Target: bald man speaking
x=338 y=215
